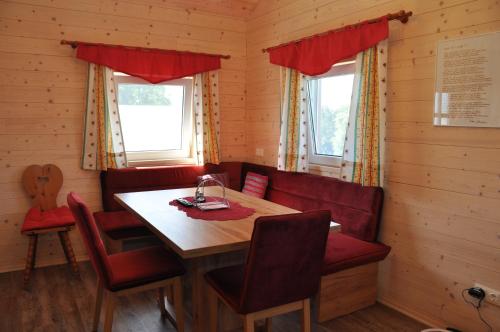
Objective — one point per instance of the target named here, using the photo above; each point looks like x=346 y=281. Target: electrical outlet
x=492 y=295
x=259 y=152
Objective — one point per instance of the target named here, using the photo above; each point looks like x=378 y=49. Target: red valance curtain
x=316 y=55
x=152 y=65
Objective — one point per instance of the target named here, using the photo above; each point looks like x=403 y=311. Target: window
x=330 y=102
x=155 y=118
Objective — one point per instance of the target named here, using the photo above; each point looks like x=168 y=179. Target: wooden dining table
x=203 y=244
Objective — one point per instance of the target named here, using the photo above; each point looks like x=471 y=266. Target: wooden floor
x=59 y=301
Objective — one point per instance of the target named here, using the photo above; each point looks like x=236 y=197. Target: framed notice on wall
x=468 y=82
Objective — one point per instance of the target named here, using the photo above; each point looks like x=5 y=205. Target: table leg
x=197 y=294
x=197 y=267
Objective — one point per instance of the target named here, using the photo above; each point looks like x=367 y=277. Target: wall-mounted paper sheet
x=468 y=82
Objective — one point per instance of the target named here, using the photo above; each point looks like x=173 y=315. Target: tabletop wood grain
x=194 y=237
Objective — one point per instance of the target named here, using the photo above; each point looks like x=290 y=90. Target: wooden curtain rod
x=75 y=43
x=400 y=16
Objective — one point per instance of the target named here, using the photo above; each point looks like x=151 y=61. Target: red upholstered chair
x=42 y=183
x=127 y=272
x=282 y=271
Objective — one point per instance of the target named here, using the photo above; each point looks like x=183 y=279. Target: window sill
x=326 y=161
x=324 y=170
x=161 y=162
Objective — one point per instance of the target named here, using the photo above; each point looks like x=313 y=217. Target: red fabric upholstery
x=231 y=168
x=278 y=271
x=120 y=225
x=228 y=281
x=139 y=267
x=344 y=252
x=36 y=219
x=157 y=178
x=316 y=55
x=123 y=270
x=357 y=208
x=152 y=65
x=141 y=179
x=91 y=239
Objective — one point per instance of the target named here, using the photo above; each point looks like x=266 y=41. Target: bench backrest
x=125 y=180
x=355 y=207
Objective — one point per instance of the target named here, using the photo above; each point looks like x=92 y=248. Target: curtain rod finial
x=405 y=16
x=73 y=44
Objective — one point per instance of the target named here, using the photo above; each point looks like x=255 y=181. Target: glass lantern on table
x=215 y=202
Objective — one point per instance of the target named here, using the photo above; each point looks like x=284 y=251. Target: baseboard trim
x=411 y=313
x=57 y=261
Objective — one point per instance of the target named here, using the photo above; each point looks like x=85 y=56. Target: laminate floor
x=59 y=301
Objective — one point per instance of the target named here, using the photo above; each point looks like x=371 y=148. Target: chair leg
x=269 y=324
x=98 y=306
x=68 y=250
x=30 y=259
x=248 y=323
x=110 y=303
x=213 y=309
x=161 y=301
x=178 y=305
x=306 y=315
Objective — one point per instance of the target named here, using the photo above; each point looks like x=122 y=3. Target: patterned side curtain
x=292 y=152
x=363 y=160
x=103 y=146
x=207 y=117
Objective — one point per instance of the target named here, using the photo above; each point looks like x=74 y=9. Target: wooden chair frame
x=267 y=314
x=63 y=234
x=110 y=299
x=42 y=183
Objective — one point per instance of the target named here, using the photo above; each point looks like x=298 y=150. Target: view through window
x=155 y=118
x=330 y=103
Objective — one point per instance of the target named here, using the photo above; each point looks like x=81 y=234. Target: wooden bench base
x=347 y=291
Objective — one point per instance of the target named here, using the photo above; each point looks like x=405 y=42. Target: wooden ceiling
x=235 y=8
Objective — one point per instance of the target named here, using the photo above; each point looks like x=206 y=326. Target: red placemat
x=234 y=212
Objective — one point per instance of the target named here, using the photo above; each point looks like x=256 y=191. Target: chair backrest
x=91 y=237
x=43 y=183
x=284 y=260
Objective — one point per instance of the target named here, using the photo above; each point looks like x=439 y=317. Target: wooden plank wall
x=42 y=92
x=442 y=208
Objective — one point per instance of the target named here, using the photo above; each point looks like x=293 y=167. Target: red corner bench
x=349 y=279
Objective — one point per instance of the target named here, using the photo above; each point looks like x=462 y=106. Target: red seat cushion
x=228 y=282
x=344 y=252
x=37 y=220
x=119 y=225
x=139 y=267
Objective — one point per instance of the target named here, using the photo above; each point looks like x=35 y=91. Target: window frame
x=342 y=68
x=164 y=157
